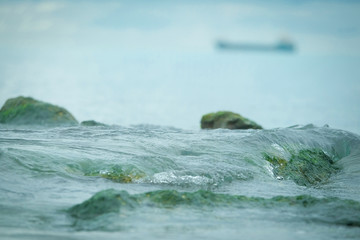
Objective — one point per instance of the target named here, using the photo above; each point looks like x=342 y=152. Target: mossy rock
x=91 y=123
x=330 y=210
x=28 y=111
x=119 y=174
x=226 y=119
x=305 y=168
x=106 y=201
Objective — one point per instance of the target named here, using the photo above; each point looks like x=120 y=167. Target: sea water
x=147 y=181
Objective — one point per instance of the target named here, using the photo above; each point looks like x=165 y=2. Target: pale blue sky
x=322 y=27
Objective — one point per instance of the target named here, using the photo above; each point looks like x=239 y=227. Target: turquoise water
x=148 y=181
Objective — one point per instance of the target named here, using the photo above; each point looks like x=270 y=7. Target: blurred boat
x=283 y=45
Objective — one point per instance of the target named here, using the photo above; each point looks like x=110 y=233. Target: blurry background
x=156 y=62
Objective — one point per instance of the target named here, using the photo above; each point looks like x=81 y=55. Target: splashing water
x=150 y=181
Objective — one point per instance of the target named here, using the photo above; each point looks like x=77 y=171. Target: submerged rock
x=226 y=119
x=28 y=111
x=306 y=168
x=103 y=202
x=120 y=174
x=326 y=210
x=91 y=123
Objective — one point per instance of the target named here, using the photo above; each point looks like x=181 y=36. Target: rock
x=107 y=206
x=91 y=123
x=307 y=167
x=106 y=201
x=121 y=174
x=225 y=119
x=28 y=111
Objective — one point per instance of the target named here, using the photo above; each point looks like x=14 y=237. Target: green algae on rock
x=226 y=119
x=103 y=202
x=120 y=174
x=305 y=168
x=330 y=210
x=91 y=123
x=28 y=111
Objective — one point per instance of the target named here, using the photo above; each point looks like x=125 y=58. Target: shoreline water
x=46 y=171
